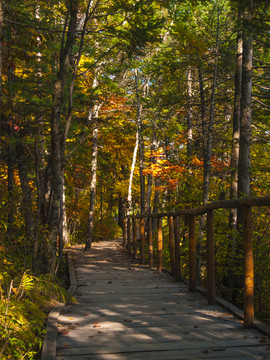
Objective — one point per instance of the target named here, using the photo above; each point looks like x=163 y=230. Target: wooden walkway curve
x=128 y=311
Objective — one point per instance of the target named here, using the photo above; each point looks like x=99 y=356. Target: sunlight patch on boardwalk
x=125 y=311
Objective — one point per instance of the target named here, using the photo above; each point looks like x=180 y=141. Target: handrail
x=130 y=236
x=223 y=204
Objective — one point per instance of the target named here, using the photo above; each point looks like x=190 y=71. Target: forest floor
x=124 y=310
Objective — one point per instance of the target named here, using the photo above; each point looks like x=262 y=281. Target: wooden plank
x=114 y=346
x=229 y=354
x=126 y=311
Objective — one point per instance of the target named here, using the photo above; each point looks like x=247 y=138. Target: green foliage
x=23 y=312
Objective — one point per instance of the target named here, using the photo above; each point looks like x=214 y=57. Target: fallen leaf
x=218 y=349
x=262 y=341
x=63 y=332
x=100 y=332
x=90 y=336
x=205 y=351
x=72 y=327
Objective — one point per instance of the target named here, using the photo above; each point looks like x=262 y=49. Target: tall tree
x=56 y=134
x=246 y=103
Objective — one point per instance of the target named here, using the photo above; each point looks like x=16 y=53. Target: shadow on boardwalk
x=126 y=311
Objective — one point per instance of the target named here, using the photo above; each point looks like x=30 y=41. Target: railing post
x=142 y=240
x=134 y=224
x=172 y=244
x=210 y=249
x=249 y=269
x=160 y=243
x=150 y=241
x=128 y=235
x=192 y=253
x=177 y=248
x=124 y=234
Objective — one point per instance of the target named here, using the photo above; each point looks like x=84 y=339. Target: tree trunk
x=154 y=147
x=141 y=145
x=56 y=136
x=189 y=113
x=246 y=103
x=1 y=54
x=26 y=191
x=207 y=145
x=236 y=129
x=93 y=117
x=208 y=148
x=245 y=135
x=11 y=208
x=129 y=197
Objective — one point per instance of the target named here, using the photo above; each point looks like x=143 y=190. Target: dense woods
x=124 y=107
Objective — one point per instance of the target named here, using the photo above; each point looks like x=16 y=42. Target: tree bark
x=26 y=191
x=208 y=147
x=129 y=197
x=11 y=209
x=56 y=136
x=189 y=113
x=154 y=147
x=246 y=106
x=236 y=128
x=93 y=117
x=207 y=143
x=141 y=145
x=1 y=53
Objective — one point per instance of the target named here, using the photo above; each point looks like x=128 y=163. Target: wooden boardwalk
x=126 y=311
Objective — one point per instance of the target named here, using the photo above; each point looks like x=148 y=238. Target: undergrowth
x=26 y=301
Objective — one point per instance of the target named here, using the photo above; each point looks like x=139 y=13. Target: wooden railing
x=130 y=237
